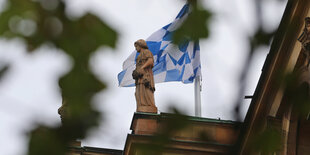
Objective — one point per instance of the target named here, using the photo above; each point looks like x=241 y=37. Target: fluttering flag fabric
x=171 y=62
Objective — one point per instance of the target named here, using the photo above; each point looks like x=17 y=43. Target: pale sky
x=29 y=93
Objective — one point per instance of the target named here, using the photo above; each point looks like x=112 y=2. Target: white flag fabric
x=171 y=62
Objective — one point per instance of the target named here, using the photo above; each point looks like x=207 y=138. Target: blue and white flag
x=171 y=62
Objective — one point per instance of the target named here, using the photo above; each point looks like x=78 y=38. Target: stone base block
x=148 y=109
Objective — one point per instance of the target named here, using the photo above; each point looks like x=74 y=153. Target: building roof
x=95 y=150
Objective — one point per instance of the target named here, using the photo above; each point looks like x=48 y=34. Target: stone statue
x=304 y=38
x=144 y=79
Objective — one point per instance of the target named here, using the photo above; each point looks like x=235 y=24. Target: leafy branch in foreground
x=45 y=21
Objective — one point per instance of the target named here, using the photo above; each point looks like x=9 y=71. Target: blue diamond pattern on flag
x=171 y=62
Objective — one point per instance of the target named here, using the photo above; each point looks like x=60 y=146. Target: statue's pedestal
x=147 y=109
x=199 y=135
x=144 y=123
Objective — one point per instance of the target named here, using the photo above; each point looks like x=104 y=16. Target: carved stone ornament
x=62 y=111
x=302 y=69
x=304 y=38
x=144 y=79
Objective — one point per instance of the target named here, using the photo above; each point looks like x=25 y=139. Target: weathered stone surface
x=144 y=79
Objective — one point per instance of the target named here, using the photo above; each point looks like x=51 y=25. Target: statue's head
x=307 y=20
x=140 y=44
x=307 y=23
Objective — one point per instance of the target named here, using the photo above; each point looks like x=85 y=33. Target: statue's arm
x=149 y=63
x=137 y=74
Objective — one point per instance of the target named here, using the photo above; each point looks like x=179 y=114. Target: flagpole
x=197 y=96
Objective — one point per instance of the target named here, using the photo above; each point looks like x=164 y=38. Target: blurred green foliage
x=297 y=94
x=261 y=38
x=195 y=26
x=3 y=70
x=268 y=141
x=40 y=22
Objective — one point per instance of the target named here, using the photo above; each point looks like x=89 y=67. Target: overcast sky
x=29 y=93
